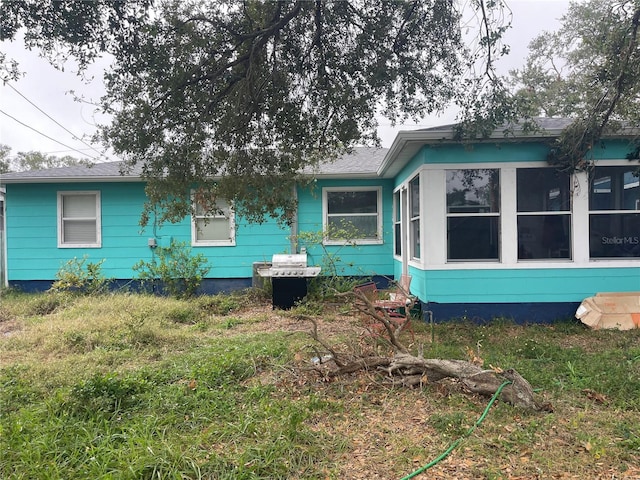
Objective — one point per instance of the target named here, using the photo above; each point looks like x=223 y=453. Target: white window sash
x=230 y=218
x=378 y=214
x=67 y=221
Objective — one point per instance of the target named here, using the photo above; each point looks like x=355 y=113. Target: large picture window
x=544 y=214
x=473 y=214
x=614 y=212
x=352 y=214
x=213 y=229
x=79 y=220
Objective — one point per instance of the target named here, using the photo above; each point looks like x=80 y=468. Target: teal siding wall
x=33 y=253
x=355 y=260
x=505 y=153
x=410 y=168
x=501 y=153
x=513 y=152
x=32 y=249
x=522 y=286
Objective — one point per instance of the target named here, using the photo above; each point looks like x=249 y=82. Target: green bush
x=178 y=272
x=79 y=275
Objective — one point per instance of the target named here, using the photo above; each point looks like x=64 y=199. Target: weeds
x=46 y=304
x=135 y=386
x=332 y=277
x=221 y=304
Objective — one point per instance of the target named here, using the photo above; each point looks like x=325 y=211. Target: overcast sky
x=41 y=100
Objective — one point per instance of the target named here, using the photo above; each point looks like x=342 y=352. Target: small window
x=614 y=212
x=544 y=214
x=79 y=220
x=473 y=214
x=352 y=214
x=213 y=229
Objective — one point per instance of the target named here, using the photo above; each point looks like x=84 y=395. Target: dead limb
x=403 y=368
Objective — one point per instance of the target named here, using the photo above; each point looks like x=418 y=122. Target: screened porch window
x=473 y=214
x=352 y=214
x=614 y=212
x=397 y=223
x=414 y=211
x=79 y=220
x=544 y=214
x=213 y=228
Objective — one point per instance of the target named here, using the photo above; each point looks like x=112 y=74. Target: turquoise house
x=59 y=214
x=485 y=230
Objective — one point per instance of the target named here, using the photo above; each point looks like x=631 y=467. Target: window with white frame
x=414 y=220
x=353 y=214
x=397 y=223
x=79 y=223
x=215 y=227
x=614 y=212
x=544 y=214
x=473 y=214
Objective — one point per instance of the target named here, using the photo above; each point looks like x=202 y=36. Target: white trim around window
x=433 y=189
x=366 y=216
x=79 y=219
x=213 y=230
x=414 y=212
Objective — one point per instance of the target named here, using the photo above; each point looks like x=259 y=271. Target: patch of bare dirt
x=263 y=318
x=9 y=327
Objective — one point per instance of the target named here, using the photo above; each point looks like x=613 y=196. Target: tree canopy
x=588 y=70
x=34 y=160
x=236 y=98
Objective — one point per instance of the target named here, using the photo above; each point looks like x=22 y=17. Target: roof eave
x=408 y=142
x=69 y=179
x=345 y=176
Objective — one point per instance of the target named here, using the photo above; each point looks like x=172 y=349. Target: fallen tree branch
x=406 y=369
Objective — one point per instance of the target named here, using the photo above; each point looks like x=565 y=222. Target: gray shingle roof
x=96 y=171
x=361 y=162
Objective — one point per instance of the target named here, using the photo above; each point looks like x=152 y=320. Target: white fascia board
x=408 y=142
x=108 y=179
x=346 y=176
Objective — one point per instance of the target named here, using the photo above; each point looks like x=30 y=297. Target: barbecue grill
x=289 y=274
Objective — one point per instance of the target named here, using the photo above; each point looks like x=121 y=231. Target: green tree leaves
x=590 y=70
x=237 y=98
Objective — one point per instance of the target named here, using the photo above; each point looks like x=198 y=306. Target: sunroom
x=491 y=229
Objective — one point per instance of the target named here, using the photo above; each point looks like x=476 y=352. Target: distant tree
x=5 y=165
x=589 y=70
x=40 y=161
x=235 y=98
x=34 y=161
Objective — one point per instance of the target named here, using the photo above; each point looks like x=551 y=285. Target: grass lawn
x=139 y=387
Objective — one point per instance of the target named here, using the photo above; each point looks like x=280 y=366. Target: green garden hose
x=457 y=442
